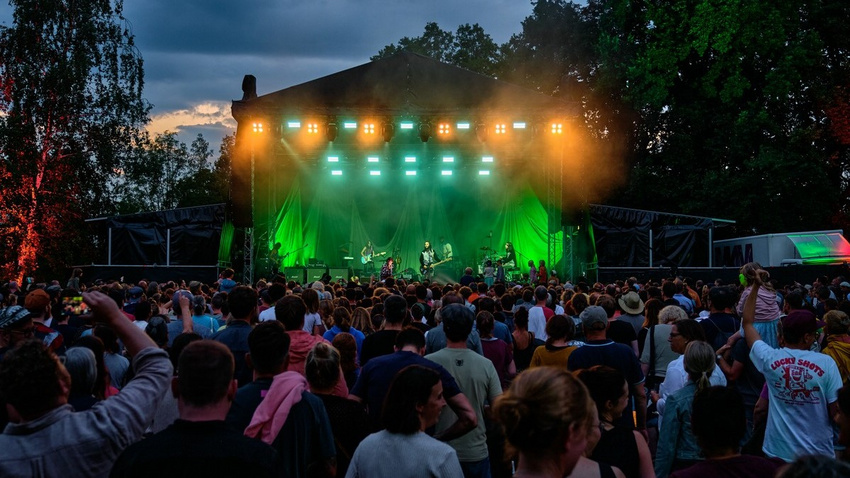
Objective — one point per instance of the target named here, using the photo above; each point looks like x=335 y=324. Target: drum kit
x=489 y=254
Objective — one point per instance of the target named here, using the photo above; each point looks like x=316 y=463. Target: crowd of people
x=477 y=379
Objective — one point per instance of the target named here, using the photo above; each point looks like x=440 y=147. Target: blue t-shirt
x=378 y=374
x=614 y=355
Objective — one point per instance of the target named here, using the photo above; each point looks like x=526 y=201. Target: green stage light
x=483 y=173
x=519 y=125
x=293 y=124
x=407 y=125
x=374 y=173
x=372 y=159
x=336 y=172
x=463 y=125
x=349 y=125
x=486 y=159
x=333 y=159
x=446 y=173
x=410 y=159
x=410 y=173
x=448 y=159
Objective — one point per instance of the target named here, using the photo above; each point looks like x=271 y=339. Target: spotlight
x=500 y=128
x=331 y=132
x=312 y=128
x=387 y=131
x=557 y=128
x=258 y=127
x=424 y=132
x=444 y=129
x=369 y=128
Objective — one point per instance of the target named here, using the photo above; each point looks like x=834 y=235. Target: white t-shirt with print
x=801 y=385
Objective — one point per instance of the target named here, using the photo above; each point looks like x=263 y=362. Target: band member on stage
x=366 y=253
x=275 y=259
x=446 y=248
x=510 y=255
x=387 y=269
x=427 y=257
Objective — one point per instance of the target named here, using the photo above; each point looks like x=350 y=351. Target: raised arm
x=749 y=315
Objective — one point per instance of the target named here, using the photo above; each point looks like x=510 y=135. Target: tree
x=70 y=109
x=162 y=173
x=733 y=95
x=470 y=47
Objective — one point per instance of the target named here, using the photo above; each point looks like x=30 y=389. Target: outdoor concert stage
x=405 y=150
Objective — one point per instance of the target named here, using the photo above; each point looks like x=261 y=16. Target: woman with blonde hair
x=312 y=321
x=657 y=353
x=547 y=414
x=326 y=310
x=362 y=321
x=677 y=445
x=767 y=309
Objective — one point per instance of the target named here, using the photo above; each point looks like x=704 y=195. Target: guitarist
x=275 y=260
x=427 y=259
x=366 y=253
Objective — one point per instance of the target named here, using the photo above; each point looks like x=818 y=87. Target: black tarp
x=623 y=238
x=142 y=239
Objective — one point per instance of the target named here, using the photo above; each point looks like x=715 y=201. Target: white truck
x=783 y=249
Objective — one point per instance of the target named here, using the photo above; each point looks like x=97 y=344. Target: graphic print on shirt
x=796 y=375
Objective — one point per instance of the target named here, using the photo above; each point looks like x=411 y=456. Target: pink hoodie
x=301 y=343
x=766 y=307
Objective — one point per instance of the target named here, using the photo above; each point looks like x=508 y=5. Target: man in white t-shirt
x=803 y=385
x=539 y=315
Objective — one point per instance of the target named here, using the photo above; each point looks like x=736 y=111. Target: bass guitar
x=368 y=257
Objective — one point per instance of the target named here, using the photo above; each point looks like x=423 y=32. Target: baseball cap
x=593 y=316
x=801 y=322
x=844 y=284
x=12 y=315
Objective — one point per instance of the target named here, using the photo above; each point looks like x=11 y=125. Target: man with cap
x=15 y=326
x=632 y=310
x=37 y=303
x=802 y=385
x=598 y=350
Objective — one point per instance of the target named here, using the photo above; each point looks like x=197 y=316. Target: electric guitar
x=368 y=257
x=424 y=268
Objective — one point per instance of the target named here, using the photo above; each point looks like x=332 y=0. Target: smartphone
x=74 y=306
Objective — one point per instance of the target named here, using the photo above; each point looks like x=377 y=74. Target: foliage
x=162 y=173
x=70 y=109
x=469 y=47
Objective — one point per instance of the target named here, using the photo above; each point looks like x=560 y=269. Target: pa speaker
x=315 y=273
x=295 y=273
x=340 y=273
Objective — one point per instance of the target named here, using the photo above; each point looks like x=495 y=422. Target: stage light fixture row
x=425 y=129
x=414 y=172
x=407 y=159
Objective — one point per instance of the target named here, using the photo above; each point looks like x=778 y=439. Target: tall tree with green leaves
x=469 y=47
x=70 y=109
x=734 y=94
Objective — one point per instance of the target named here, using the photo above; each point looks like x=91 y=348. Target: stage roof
x=405 y=84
